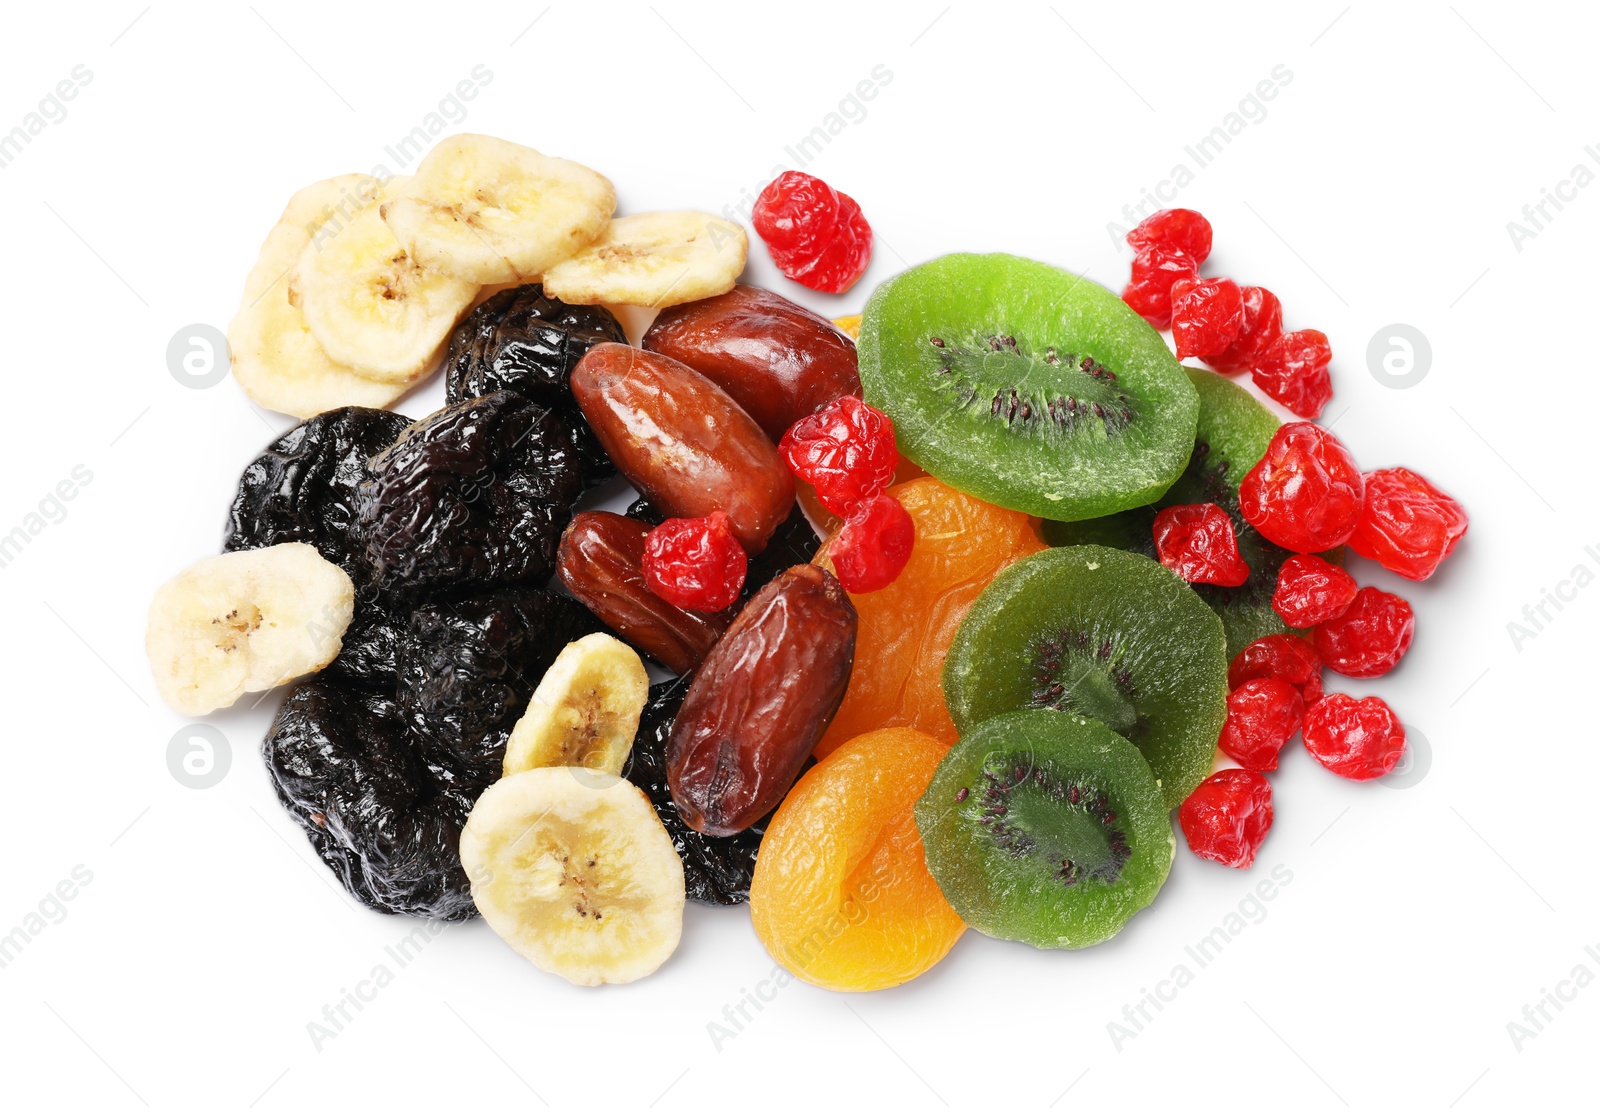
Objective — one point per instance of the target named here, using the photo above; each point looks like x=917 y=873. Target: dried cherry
x=1228 y=816
x=1293 y=370
x=476 y=492
x=1286 y=657
x=1306 y=492
x=846 y=451
x=1263 y=715
x=1311 y=591
x=775 y=358
x=1261 y=324
x=1207 y=315
x=761 y=700
x=1407 y=525
x=1359 y=740
x=695 y=564
x=1156 y=268
x=1368 y=639
x=1183 y=229
x=1196 y=541
x=816 y=235
x=874 y=545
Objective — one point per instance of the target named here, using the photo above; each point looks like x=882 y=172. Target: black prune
x=716 y=869
x=525 y=341
x=303 y=486
x=367 y=656
x=477 y=492
x=793 y=543
x=381 y=807
x=468 y=665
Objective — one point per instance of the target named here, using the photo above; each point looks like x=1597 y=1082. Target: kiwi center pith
x=1032 y=810
x=1044 y=389
x=1074 y=672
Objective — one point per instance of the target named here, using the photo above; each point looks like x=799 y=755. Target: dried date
x=761 y=700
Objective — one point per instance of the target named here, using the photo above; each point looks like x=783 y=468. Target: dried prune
x=303 y=487
x=367 y=656
x=381 y=806
x=793 y=543
x=601 y=562
x=476 y=492
x=683 y=441
x=523 y=340
x=468 y=665
x=778 y=360
x=761 y=700
x=716 y=869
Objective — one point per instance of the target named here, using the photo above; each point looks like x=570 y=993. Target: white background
x=1420 y=919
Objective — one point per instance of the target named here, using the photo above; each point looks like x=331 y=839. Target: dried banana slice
x=490 y=211
x=653 y=259
x=276 y=360
x=585 y=711
x=246 y=621
x=573 y=869
x=370 y=304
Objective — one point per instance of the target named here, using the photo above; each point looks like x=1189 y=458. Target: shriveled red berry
x=1354 y=739
x=1368 y=640
x=1285 y=657
x=873 y=546
x=1228 y=816
x=846 y=450
x=1311 y=591
x=1261 y=325
x=1207 y=315
x=1263 y=715
x=1183 y=229
x=1306 y=492
x=1149 y=289
x=1294 y=371
x=1196 y=541
x=695 y=563
x=816 y=235
x=1407 y=525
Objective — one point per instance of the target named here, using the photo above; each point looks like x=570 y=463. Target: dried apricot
x=905 y=629
x=842 y=896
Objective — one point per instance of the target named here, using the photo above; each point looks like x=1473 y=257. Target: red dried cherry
x=1285 y=657
x=1149 y=289
x=1354 y=739
x=1228 y=816
x=873 y=546
x=1262 y=324
x=1196 y=541
x=1207 y=315
x=1294 y=371
x=1407 y=525
x=1306 y=492
x=1311 y=591
x=695 y=563
x=846 y=450
x=1263 y=715
x=1370 y=637
x=816 y=235
x=1183 y=229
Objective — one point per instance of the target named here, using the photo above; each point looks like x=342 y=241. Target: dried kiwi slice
x=1100 y=633
x=1232 y=435
x=1027 y=386
x=1046 y=828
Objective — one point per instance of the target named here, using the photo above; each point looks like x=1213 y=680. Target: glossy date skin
x=777 y=359
x=601 y=562
x=761 y=700
x=682 y=441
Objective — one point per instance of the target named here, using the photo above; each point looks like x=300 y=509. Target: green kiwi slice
x=1231 y=436
x=1046 y=828
x=1027 y=386
x=1099 y=633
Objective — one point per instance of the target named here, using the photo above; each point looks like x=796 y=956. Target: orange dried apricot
x=842 y=896
x=905 y=630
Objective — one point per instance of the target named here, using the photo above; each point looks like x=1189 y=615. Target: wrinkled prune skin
x=381 y=806
x=476 y=492
x=716 y=869
x=303 y=487
x=522 y=340
x=761 y=700
x=778 y=360
x=468 y=666
x=601 y=562
x=793 y=543
x=368 y=655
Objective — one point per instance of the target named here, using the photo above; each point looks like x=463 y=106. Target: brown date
x=776 y=358
x=600 y=561
x=762 y=699
x=682 y=441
